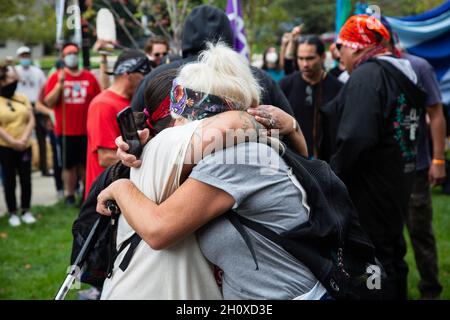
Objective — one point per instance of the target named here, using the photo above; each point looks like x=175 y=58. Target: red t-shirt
x=102 y=130
x=78 y=94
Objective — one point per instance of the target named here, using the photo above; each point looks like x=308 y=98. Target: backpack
x=332 y=243
x=97 y=261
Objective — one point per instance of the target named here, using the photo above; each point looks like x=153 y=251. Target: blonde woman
x=181 y=271
x=261 y=187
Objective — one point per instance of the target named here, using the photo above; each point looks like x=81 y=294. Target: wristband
x=438 y=161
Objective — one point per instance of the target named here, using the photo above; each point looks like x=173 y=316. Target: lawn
x=34 y=259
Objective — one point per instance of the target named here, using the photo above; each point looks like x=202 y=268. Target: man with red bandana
x=376 y=140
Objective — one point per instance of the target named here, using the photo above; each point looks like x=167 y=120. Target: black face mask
x=8 y=90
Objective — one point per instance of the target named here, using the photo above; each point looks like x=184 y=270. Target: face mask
x=71 y=60
x=8 y=90
x=272 y=57
x=25 y=62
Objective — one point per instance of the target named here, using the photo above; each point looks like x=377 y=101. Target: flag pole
x=59 y=10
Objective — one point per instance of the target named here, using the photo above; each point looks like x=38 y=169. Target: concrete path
x=43 y=192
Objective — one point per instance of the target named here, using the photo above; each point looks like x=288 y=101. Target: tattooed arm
x=219 y=132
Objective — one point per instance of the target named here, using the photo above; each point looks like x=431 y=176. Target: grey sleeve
x=224 y=177
x=239 y=179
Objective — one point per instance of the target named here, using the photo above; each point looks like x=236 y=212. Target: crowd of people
x=376 y=118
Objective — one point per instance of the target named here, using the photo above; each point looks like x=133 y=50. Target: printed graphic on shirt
x=406 y=123
x=27 y=81
x=75 y=92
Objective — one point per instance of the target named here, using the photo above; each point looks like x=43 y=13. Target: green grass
x=441 y=225
x=34 y=259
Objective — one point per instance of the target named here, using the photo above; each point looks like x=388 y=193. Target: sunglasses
x=159 y=54
x=339 y=46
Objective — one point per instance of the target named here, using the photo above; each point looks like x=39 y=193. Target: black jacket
x=376 y=143
x=207 y=23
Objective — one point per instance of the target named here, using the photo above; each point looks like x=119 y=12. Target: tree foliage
x=33 y=21
x=30 y=21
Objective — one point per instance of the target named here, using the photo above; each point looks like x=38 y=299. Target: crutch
x=75 y=269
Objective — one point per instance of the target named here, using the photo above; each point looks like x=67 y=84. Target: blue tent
x=428 y=35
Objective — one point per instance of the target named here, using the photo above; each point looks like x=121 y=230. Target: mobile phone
x=128 y=129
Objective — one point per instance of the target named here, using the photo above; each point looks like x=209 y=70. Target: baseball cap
x=130 y=61
x=22 y=50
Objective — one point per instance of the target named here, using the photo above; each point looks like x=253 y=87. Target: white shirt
x=31 y=82
x=179 y=272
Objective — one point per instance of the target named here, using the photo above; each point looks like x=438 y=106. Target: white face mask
x=272 y=57
x=71 y=60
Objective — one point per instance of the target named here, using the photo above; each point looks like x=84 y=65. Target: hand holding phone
x=129 y=132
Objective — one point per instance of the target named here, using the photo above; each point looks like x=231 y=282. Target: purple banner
x=234 y=13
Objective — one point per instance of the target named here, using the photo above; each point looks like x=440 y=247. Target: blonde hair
x=222 y=72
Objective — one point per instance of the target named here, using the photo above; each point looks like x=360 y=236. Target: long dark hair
x=312 y=40
x=156 y=91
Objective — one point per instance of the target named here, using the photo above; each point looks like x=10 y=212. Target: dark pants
x=16 y=162
x=57 y=163
x=419 y=223
x=41 y=135
x=391 y=250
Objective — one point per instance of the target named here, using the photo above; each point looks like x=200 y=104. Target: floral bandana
x=141 y=65
x=196 y=105
x=357 y=32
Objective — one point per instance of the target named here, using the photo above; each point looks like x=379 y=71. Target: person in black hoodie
x=207 y=23
x=376 y=140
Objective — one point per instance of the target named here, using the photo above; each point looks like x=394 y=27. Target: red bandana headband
x=161 y=112
x=357 y=32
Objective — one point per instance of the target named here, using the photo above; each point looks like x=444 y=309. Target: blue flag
x=427 y=35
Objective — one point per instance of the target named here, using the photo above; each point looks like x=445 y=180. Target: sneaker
x=89 y=294
x=28 y=218
x=14 y=220
x=70 y=201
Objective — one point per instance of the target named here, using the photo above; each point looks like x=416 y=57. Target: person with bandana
x=69 y=92
x=102 y=128
x=175 y=193
x=376 y=140
x=16 y=124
